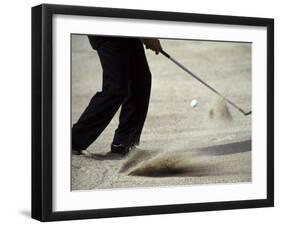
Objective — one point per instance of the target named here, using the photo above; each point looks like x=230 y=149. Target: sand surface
x=180 y=145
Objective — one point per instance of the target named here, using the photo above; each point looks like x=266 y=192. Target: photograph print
x=156 y=112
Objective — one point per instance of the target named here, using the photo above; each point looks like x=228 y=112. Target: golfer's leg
x=103 y=105
x=134 y=109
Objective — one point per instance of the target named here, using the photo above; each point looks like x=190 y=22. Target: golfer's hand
x=153 y=44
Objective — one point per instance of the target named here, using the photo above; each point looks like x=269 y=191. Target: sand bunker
x=219 y=112
x=165 y=164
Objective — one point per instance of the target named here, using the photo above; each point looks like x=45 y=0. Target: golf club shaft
x=204 y=83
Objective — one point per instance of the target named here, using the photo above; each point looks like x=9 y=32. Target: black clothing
x=126 y=82
x=96 y=41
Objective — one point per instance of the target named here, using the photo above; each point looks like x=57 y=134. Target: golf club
x=204 y=83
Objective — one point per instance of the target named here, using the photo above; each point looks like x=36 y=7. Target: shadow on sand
x=105 y=156
x=227 y=149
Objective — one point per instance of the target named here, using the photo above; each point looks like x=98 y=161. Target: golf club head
x=247 y=113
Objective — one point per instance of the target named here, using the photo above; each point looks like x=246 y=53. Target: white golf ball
x=193 y=103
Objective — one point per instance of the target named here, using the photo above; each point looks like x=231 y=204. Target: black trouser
x=126 y=82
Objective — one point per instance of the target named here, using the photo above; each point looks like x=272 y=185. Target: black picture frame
x=42 y=111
